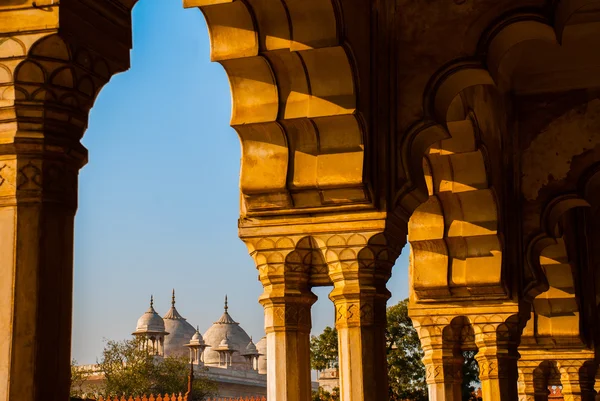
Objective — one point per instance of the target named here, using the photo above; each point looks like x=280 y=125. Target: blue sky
x=159 y=199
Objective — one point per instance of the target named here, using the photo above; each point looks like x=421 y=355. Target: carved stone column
x=444 y=375
x=532 y=385
x=54 y=59
x=443 y=360
x=359 y=266
x=577 y=378
x=38 y=200
x=287 y=300
x=496 y=338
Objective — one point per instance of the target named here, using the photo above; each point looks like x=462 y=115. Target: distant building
x=234 y=362
x=329 y=379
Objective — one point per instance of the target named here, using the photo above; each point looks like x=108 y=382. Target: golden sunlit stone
x=363 y=125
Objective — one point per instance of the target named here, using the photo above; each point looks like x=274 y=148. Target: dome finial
x=226 y=307
x=152 y=301
x=173 y=298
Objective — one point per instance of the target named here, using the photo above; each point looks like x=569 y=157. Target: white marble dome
x=197 y=339
x=180 y=332
x=251 y=348
x=150 y=322
x=227 y=329
x=261 y=347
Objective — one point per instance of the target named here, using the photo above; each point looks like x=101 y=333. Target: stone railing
x=172 y=397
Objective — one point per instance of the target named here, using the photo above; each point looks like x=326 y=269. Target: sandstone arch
x=294 y=90
x=353 y=117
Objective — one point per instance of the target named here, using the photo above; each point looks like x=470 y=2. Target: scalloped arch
x=293 y=87
x=52 y=46
x=547 y=237
x=456 y=251
x=30 y=72
x=12 y=47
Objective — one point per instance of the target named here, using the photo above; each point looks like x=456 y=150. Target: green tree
x=405 y=368
x=323 y=350
x=470 y=375
x=130 y=370
x=404 y=356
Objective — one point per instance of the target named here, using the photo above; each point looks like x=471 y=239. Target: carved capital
x=348 y=253
x=54 y=59
x=443 y=366
x=48 y=176
x=291 y=313
x=363 y=312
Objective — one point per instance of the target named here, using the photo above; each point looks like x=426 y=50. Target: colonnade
x=351 y=147
x=357 y=264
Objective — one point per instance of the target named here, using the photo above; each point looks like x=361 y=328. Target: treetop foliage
x=129 y=369
x=404 y=357
x=323 y=350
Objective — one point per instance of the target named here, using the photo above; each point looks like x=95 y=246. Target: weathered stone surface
x=468 y=127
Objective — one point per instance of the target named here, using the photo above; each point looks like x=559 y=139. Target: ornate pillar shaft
x=444 y=374
x=577 y=378
x=38 y=200
x=287 y=301
x=532 y=387
x=497 y=359
x=287 y=324
x=359 y=267
x=442 y=345
x=361 y=322
x=358 y=264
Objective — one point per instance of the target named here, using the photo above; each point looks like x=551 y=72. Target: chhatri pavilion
x=227 y=355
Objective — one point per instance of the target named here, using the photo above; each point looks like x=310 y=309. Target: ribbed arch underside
x=456 y=251
x=293 y=86
x=453 y=235
x=555 y=313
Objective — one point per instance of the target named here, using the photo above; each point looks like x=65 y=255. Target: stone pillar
x=360 y=321
x=532 y=386
x=38 y=200
x=444 y=374
x=497 y=356
x=360 y=296
x=577 y=378
x=443 y=359
x=287 y=300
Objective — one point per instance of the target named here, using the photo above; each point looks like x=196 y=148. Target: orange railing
x=175 y=397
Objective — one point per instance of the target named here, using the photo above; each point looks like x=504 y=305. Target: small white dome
x=197 y=337
x=179 y=330
x=150 y=322
x=261 y=346
x=251 y=348
x=228 y=330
